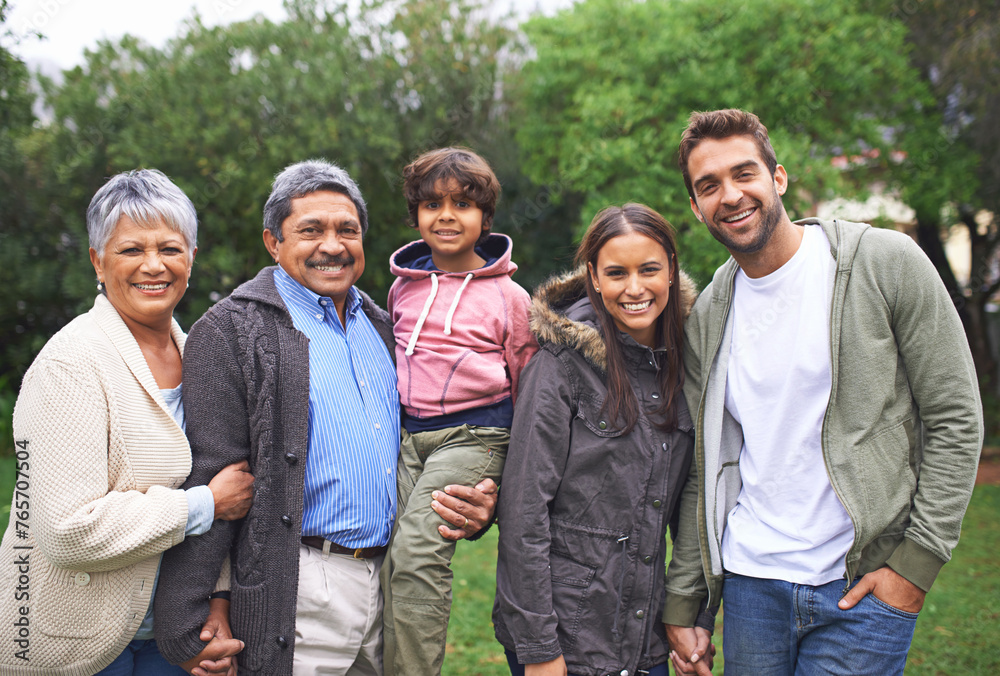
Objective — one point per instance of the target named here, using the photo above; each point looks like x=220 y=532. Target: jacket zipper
x=700 y=457
x=829 y=404
x=621 y=581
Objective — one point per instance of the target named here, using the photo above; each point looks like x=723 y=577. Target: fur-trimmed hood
x=562 y=314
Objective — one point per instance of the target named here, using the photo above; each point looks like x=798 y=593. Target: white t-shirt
x=788 y=523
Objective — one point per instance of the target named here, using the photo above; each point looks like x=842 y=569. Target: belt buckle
x=358 y=553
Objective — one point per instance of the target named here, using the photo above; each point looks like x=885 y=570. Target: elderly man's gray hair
x=147 y=197
x=303 y=178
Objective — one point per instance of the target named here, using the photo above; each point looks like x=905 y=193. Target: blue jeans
x=517 y=669
x=141 y=658
x=779 y=628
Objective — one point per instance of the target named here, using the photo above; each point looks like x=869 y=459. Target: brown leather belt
x=317 y=542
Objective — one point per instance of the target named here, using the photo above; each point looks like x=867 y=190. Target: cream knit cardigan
x=101 y=459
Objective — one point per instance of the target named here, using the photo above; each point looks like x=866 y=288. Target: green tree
x=32 y=251
x=605 y=100
x=952 y=175
x=222 y=109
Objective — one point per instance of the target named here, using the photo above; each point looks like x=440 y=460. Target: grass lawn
x=958 y=631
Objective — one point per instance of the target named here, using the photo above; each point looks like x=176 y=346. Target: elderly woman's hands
x=468 y=509
x=232 y=489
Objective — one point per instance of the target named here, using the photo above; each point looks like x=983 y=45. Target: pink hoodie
x=462 y=338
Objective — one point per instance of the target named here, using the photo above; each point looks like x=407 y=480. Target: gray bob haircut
x=146 y=196
x=303 y=178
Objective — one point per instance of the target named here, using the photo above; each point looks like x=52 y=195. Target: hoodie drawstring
x=423 y=315
x=454 y=305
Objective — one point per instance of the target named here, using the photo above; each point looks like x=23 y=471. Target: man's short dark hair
x=720 y=124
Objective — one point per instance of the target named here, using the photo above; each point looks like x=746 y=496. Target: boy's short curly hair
x=471 y=172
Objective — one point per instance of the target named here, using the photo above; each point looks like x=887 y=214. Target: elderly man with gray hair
x=294 y=373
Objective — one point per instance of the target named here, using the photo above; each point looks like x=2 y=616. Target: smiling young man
x=294 y=373
x=838 y=427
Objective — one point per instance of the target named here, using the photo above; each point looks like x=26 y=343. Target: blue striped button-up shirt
x=350 y=489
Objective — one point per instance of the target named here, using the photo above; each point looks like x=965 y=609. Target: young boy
x=462 y=338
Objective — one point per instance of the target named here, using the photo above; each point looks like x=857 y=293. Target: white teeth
x=739 y=216
x=636 y=307
x=151 y=287
x=330 y=268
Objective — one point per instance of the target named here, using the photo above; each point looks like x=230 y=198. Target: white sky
x=70 y=26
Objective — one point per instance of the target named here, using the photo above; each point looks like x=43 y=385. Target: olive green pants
x=416 y=574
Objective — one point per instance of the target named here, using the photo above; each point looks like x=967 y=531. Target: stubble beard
x=770 y=216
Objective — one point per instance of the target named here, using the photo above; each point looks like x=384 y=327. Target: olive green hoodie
x=902 y=432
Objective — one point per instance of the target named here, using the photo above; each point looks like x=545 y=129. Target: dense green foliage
x=574 y=111
x=221 y=110
x=614 y=83
x=958 y=166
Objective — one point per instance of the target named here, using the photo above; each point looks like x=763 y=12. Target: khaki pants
x=417 y=573
x=338 y=616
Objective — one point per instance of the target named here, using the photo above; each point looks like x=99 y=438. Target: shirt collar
x=294 y=293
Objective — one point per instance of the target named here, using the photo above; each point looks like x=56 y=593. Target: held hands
x=467 y=509
x=232 y=489
x=889 y=587
x=691 y=651
x=556 y=667
x=218 y=658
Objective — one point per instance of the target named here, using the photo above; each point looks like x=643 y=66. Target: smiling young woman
x=600 y=451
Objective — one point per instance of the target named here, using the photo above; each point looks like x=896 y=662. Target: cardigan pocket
x=73 y=604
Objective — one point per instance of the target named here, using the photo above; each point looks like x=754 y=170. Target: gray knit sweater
x=246 y=396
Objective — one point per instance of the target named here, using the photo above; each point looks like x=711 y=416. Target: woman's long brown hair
x=622 y=404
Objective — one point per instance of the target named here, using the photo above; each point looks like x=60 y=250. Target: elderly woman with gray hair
x=101 y=453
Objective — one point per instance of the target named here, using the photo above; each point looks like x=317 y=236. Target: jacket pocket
x=571 y=585
x=568 y=572
x=887 y=473
x=596 y=420
x=74 y=604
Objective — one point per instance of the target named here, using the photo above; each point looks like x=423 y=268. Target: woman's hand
x=556 y=667
x=467 y=509
x=691 y=650
x=232 y=489
x=218 y=657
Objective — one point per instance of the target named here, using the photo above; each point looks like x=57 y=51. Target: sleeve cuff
x=915 y=563
x=682 y=611
x=533 y=653
x=201 y=510
x=222 y=584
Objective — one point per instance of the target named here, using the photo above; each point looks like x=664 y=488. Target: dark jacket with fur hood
x=585 y=507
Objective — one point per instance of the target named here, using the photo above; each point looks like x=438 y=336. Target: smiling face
x=321 y=246
x=633 y=274
x=145 y=271
x=450 y=225
x=735 y=195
